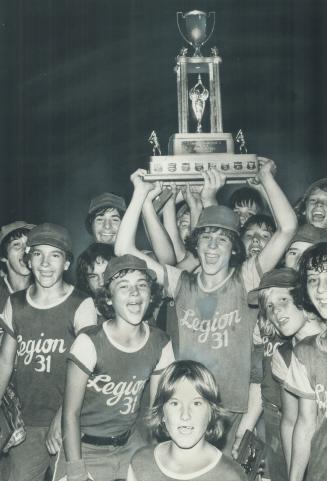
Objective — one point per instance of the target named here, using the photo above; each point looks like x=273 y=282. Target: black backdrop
x=83 y=83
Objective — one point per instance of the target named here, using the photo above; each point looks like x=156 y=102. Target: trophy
x=200 y=142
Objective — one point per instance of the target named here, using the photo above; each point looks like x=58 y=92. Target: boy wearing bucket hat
x=215 y=323
x=40 y=324
x=107 y=370
x=17 y=276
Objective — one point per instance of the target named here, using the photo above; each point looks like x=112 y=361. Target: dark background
x=84 y=82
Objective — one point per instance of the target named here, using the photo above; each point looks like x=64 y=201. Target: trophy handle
x=178 y=14
x=213 y=24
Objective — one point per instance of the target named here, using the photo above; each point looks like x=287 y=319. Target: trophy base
x=183 y=169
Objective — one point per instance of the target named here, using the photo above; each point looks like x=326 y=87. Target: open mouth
x=185 y=430
x=46 y=274
x=211 y=258
x=134 y=307
x=253 y=251
x=283 y=321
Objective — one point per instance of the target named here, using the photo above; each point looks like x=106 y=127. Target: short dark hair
x=90 y=217
x=103 y=295
x=245 y=194
x=15 y=234
x=312 y=258
x=205 y=385
x=87 y=259
x=259 y=220
x=236 y=259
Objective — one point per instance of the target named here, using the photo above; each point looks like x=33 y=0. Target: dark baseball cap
x=127 y=261
x=283 y=277
x=9 y=228
x=50 y=234
x=219 y=216
x=102 y=201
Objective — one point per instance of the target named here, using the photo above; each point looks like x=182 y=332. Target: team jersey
x=44 y=336
x=215 y=327
x=117 y=377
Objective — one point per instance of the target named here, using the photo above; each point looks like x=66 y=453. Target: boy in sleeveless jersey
x=40 y=324
x=214 y=320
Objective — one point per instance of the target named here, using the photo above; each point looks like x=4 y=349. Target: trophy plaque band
x=186 y=168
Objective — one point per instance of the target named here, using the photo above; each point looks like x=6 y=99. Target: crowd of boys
x=207 y=258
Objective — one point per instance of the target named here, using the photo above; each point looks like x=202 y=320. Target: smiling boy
x=214 y=321
x=40 y=324
x=104 y=217
x=17 y=276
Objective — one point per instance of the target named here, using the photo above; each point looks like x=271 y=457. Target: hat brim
x=150 y=272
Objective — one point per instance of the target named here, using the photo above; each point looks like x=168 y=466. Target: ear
x=4 y=260
x=29 y=264
x=233 y=252
x=109 y=302
x=66 y=266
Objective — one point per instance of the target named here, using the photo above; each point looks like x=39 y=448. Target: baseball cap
x=9 y=228
x=126 y=261
x=219 y=216
x=104 y=200
x=309 y=233
x=283 y=277
x=50 y=234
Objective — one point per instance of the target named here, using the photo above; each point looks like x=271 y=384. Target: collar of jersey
x=218 y=286
x=124 y=348
x=48 y=306
x=188 y=476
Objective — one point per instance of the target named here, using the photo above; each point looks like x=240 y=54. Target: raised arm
x=157 y=234
x=283 y=213
x=170 y=223
x=125 y=242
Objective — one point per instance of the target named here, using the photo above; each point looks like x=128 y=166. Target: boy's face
x=15 y=255
x=316 y=208
x=95 y=274
x=283 y=313
x=294 y=252
x=130 y=297
x=255 y=239
x=105 y=226
x=184 y=225
x=317 y=289
x=186 y=415
x=48 y=264
x=214 y=251
x=245 y=210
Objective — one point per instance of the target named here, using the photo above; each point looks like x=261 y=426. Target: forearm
x=125 y=242
x=286 y=431
x=281 y=208
x=250 y=418
x=72 y=436
x=158 y=236
x=301 y=447
x=170 y=223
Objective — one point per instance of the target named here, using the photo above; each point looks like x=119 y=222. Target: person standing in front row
x=108 y=368
x=40 y=324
